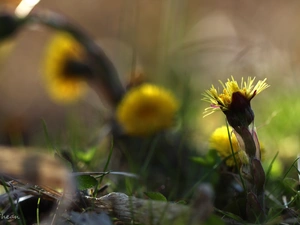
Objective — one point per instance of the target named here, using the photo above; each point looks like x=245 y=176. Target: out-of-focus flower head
x=220 y=142
x=63 y=75
x=234 y=101
x=146 y=109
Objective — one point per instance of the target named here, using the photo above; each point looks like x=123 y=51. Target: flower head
x=234 y=101
x=146 y=109
x=224 y=100
x=220 y=142
x=63 y=84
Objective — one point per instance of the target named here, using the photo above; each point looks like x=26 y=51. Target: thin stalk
x=234 y=158
x=38 y=212
x=270 y=166
x=150 y=155
x=106 y=166
x=47 y=136
x=296 y=160
x=108 y=159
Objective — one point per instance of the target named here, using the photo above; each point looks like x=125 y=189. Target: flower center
x=147 y=111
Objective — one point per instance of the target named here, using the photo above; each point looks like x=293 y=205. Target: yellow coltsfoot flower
x=224 y=100
x=146 y=109
x=234 y=101
x=63 y=85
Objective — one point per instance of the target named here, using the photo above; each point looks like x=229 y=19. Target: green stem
x=38 y=212
x=105 y=167
x=151 y=153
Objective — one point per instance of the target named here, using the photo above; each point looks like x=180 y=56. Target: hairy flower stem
x=256 y=177
x=248 y=140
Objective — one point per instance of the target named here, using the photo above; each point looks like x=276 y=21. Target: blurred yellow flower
x=219 y=141
x=146 y=109
x=224 y=101
x=62 y=86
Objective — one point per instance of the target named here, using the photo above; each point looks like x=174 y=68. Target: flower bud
x=239 y=113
